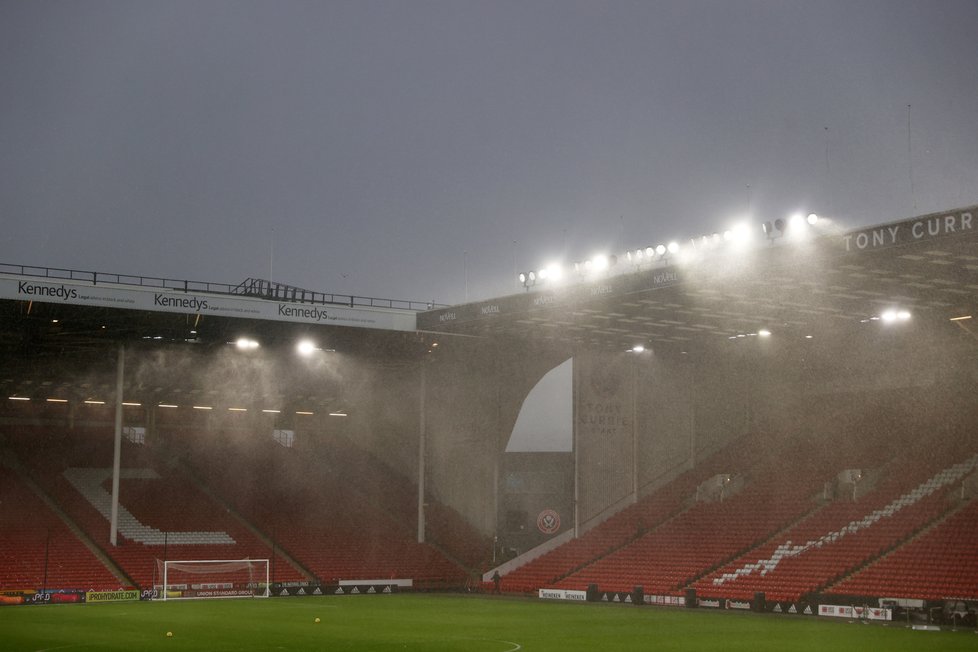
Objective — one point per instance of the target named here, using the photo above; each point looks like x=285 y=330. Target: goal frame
x=263 y=589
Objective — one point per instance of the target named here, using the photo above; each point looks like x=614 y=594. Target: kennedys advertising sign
x=158 y=300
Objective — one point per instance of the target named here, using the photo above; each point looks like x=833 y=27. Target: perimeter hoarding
x=177 y=301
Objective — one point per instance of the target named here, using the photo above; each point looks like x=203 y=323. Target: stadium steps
x=11 y=461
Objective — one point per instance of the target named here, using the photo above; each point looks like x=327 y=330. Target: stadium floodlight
x=673 y=247
x=812 y=219
x=649 y=251
x=638 y=348
x=246 y=344
x=19 y=398
x=796 y=221
x=660 y=249
x=306 y=348
x=903 y=315
x=888 y=316
x=601 y=263
x=764 y=333
x=555 y=272
x=337 y=414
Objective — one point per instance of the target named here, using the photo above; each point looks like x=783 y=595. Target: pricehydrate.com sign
x=160 y=300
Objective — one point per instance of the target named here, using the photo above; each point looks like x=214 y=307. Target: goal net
x=198 y=579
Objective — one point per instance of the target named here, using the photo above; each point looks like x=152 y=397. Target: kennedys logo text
x=491 y=309
x=285 y=310
x=60 y=292
x=448 y=316
x=191 y=303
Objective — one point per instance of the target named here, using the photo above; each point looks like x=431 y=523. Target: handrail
x=274 y=291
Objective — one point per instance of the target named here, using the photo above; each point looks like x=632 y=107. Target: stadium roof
x=821 y=283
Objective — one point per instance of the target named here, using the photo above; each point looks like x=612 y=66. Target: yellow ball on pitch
x=317 y=620
x=169 y=634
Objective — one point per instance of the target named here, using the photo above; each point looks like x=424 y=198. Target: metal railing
x=258 y=288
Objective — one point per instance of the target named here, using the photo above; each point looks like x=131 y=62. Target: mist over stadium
x=778 y=419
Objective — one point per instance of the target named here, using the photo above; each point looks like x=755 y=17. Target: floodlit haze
x=363 y=147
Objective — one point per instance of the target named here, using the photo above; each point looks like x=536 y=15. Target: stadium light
x=246 y=344
x=306 y=348
x=764 y=333
x=19 y=398
x=812 y=219
x=638 y=348
x=893 y=315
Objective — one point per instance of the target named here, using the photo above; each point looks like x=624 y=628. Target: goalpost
x=199 y=579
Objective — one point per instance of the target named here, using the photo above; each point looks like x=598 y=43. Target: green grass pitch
x=436 y=623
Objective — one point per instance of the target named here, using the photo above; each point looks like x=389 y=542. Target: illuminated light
x=889 y=316
x=903 y=315
x=796 y=221
x=543 y=274
x=874 y=319
x=132 y=404
x=741 y=335
x=19 y=398
x=306 y=347
x=660 y=249
x=601 y=263
x=246 y=344
x=56 y=400
x=673 y=247
x=203 y=407
x=337 y=414
x=237 y=409
x=555 y=271
x=764 y=332
x=649 y=251
x=728 y=235
x=740 y=233
x=434 y=344
x=270 y=411
x=961 y=318
x=522 y=277
x=94 y=402
x=167 y=405
x=808 y=337
x=54 y=321
x=628 y=256
x=304 y=413
x=812 y=219
x=638 y=348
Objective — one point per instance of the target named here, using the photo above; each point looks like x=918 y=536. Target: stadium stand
x=335 y=510
x=941 y=563
x=37 y=550
x=176 y=519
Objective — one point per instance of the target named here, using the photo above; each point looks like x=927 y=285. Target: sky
x=429 y=150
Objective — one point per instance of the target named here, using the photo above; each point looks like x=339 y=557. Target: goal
x=198 y=579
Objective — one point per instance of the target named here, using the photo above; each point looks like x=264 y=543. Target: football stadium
x=757 y=439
